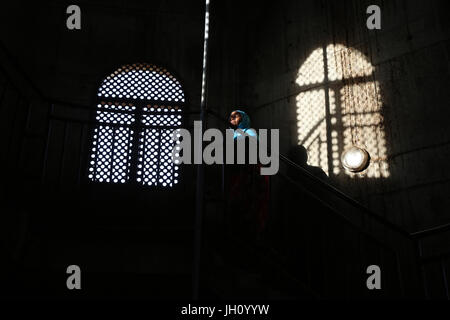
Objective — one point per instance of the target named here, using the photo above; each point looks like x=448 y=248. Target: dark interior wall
x=68 y=220
x=410 y=56
x=54 y=218
x=70 y=64
x=231 y=45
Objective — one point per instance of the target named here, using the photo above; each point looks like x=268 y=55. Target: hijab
x=244 y=125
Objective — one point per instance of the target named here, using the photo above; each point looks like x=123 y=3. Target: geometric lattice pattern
x=155 y=146
x=155 y=160
x=116 y=118
x=166 y=166
x=116 y=106
x=363 y=123
x=312 y=128
x=110 y=158
x=340 y=84
x=134 y=138
x=148 y=157
x=142 y=81
x=162 y=120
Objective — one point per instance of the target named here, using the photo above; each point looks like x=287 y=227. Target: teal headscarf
x=245 y=125
x=245 y=121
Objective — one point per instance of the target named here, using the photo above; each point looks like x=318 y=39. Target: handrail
x=25 y=86
x=347 y=198
x=344 y=196
x=285 y=159
x=333 y=189
x=413 y=235
x=430 y=231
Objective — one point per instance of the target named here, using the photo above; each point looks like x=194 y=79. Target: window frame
x=137 y=127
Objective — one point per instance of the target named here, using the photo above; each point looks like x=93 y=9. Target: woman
x=248 y=190
x=240 y=120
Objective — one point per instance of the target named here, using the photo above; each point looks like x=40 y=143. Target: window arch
x=339 y=106
x=138 y=108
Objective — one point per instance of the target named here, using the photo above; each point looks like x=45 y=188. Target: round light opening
x=355 y=159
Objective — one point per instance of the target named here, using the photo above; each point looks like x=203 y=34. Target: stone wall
x=409 y=56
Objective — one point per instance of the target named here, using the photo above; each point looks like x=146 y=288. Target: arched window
x=138 y=108
x=339 y=107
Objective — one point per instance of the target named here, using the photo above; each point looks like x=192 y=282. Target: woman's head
x=235 y=119
x=239 y=119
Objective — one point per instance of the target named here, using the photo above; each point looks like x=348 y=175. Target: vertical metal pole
x=200 y=169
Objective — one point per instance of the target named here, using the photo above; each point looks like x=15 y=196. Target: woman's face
x=235 y=118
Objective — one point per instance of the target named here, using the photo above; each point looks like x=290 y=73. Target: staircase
x=326 y=240
x=318 y=243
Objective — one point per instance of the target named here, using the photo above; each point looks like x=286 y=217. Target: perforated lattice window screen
x=139 y=107
x=142 y=81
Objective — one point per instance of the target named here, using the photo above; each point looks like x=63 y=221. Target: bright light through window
x=139 y=107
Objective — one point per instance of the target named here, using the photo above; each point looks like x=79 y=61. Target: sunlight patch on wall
x=345 y=63
x=362 y=125
x=312 y=71
x=341 y=85
x=312 y=130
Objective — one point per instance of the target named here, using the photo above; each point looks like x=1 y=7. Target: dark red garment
x=248 y=199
